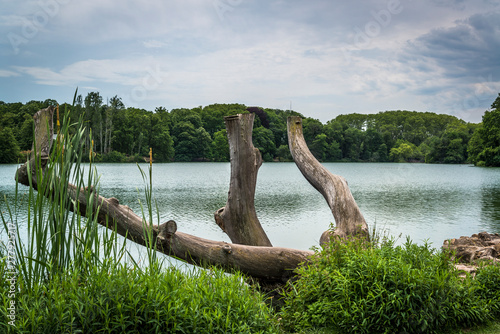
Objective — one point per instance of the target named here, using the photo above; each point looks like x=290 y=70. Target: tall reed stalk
x=153 y=263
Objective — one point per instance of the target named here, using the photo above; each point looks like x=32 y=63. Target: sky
x=322 y=58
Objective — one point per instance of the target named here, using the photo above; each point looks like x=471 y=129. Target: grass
x=121 y=299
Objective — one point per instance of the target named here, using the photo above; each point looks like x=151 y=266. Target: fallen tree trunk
x=348 y=218
x=269 y=265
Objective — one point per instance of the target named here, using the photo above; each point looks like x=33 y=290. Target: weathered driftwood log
x=238 y=218
x=267 y=264
x=348 y=218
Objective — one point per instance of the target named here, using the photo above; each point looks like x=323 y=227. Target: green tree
x=283 y=153
x=404 y=151
x=334 y=153
x=25 y=134
x=212 y=116
x=220 y=146
x=190 y=143
x=490 y=135
x=311 y=128
x=475 y=145
x=263 y=139
x=351 y=146
x=319 y=147
x=496 y=103
x=9 y=150
x=93 y=117
x=160 y=140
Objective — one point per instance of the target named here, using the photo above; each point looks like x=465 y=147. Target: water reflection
x=490 y=213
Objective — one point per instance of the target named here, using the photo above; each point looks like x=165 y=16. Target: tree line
x=121 y=133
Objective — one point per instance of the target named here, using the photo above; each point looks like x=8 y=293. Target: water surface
x=425 y=202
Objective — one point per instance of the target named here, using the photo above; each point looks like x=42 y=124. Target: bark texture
x=348 y=218
x=238 y=218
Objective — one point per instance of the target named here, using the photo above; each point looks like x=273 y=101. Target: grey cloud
x=471 y=48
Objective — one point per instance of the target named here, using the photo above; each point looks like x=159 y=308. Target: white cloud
x=7 y=74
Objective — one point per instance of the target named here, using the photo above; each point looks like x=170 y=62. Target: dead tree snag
x=238 y=218
x=348 y=218
x=269 y=265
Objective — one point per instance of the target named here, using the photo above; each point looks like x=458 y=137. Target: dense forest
x=122 y=134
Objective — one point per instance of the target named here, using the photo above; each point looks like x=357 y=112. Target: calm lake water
x=424 y=202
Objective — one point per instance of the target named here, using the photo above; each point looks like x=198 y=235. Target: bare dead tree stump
x=348 y=218
x=238 y=218
x=40 y=150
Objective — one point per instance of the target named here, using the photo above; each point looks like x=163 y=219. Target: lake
x=424 y=202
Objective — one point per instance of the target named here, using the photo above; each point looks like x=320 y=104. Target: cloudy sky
x=324 y=57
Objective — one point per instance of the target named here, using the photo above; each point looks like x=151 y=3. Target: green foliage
x=263 y=139
x=488 y=281
x=486 y=144
x=118 y=299
x=9 y=149
x=354 y=287
x=404 y=151
x=220 y=146
x=190 y=134
x=113 y=156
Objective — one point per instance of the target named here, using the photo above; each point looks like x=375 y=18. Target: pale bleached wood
x=238 y=218
x=348 y=218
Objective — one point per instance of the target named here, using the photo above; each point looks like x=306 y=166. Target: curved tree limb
x=348 y=218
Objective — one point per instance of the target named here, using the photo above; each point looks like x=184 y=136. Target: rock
x=479 y=246
x=466 y=269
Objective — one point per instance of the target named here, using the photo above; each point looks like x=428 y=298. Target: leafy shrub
x=488 y=281
x=353 y=287
x=113 y=156
x=135 y=158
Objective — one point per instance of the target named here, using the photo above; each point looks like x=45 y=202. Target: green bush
x=113 y=156
x=488 y=281
x=353 y=287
